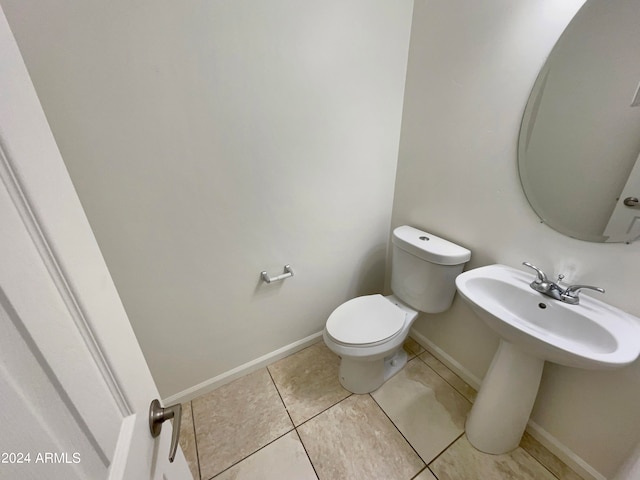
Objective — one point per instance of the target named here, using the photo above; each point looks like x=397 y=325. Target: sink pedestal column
x=505 y=400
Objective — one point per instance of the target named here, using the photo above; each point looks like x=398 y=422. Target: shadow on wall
x=369 y=278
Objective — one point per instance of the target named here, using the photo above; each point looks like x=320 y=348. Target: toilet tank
x=424 y=268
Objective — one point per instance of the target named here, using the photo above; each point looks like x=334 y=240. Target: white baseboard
x=445 y=358
x=547 y=440
x=227 y=377
x=560 y=450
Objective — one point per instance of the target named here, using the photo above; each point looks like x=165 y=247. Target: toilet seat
x=365 y=321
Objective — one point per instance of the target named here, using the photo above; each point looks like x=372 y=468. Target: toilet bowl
x=368 y=332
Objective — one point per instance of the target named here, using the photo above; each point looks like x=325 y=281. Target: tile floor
x=293 y=420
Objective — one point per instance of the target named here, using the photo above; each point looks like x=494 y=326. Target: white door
x=624 y=223
x=75 y=389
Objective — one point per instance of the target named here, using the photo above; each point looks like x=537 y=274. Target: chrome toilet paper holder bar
x=287 y=273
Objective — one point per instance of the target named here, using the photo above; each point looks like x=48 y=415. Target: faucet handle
x=570 y=295
x=541 y=276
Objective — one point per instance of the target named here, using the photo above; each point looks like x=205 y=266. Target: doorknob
x=158 y=415
x=632 y=202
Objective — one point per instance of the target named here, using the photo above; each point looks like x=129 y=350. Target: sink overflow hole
x=542 y=305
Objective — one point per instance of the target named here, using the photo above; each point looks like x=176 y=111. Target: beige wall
x=209 y=141
x=471 y=67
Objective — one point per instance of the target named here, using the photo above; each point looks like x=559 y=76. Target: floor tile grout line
x=310 y=418
x=454 y=373
x=195 y=439
x=324 y=410
x=304 y=447
x=447 y=448
x=402 y=434
x=447 y=382
x=559 y=475
x=295 y=429
x=542 y=464
x=418 y=474
x=463 y=433
x=416 y=354
x=379 y=406
x=282 y=398
x=275 y=385
x=253 y=453
x=426 y=468
x=471 y=402
x=433 y=473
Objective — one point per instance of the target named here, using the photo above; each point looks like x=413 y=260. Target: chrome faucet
x=551 y=289
x=570 y=294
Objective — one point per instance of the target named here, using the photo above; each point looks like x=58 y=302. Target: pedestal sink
x=534 y=329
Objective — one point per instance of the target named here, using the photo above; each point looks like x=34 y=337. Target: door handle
x=158 y=415
x=632 y=202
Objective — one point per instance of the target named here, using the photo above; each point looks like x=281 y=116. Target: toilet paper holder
x=288 y=272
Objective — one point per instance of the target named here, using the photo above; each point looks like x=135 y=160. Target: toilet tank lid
x=429 y=247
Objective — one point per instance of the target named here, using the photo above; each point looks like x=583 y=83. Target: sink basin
x=534 y=328
x=589 y=335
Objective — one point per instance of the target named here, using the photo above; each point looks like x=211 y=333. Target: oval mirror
x=580 y=135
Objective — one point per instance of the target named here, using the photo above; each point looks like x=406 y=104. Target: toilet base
x=362 y=376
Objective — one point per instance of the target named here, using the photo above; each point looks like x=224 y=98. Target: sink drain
x=542 y=305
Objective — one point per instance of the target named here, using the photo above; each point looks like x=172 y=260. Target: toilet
x=368 y=332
